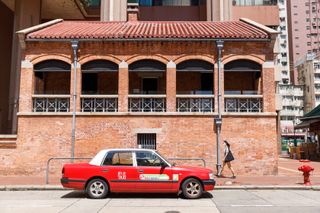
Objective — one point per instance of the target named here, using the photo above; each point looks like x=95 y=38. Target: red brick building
x=153 y=84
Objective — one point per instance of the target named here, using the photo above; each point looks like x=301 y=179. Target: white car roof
x=100 y=156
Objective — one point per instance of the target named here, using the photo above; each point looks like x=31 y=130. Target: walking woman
x=228 y=157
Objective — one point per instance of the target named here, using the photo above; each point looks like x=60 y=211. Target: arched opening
x=52 y=77
x=99 y=86
x=99 y=77
x=147 y=86
x=242 y=86
x=51 y=86
x=195 y=86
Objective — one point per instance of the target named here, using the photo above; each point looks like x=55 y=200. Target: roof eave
x=148 y=39
x=273 y=33
x=22 y=33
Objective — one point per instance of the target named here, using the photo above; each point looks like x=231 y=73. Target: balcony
x=195 y=103
x=51 y=103
x=147 y=103
x=99 y=103
x=243 y=103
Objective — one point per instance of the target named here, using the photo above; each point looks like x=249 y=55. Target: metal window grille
x=147 y=104
x=195 y=105
x=243 y=104
x=51 y=104
x=99 y=104
x=147 y=141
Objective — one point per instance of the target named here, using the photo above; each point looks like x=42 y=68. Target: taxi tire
x=99 y=182
x=185 y=187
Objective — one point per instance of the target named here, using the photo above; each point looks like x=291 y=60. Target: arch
x=52 y=65
x=195 y=65
x=158 y=58
x=194 y=57
x=110 y=58
x=253 y=58
x=243 y=65
x=41 y=58
x=100 y=65
x=147 y=65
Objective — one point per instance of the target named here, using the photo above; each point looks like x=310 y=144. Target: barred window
x=147 y=141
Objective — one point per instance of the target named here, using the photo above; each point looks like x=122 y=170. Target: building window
x=149 y=3
x=309 y=43
x=147 y=141
x=254 y=3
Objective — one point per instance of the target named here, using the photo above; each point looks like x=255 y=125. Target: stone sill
x=8 y=137
x=86 y=114
x=8 y=141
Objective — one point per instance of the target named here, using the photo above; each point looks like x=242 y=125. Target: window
x=149 y=3
x=118 y=159
x=148 y=159
x=147 y=141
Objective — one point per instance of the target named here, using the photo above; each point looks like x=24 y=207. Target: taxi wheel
x=192 y=188
x=97 y=189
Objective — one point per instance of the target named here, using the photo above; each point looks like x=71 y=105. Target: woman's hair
x=227 y=143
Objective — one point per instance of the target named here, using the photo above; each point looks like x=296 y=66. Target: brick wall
x=253 y=138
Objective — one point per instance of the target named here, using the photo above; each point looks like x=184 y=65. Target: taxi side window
x=148 y=159
x=118 y=159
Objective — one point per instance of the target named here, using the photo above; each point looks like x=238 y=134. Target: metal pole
x=74 y=45
x=218 y=121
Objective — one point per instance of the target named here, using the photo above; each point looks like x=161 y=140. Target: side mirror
x=163 y=164
x=174 y=164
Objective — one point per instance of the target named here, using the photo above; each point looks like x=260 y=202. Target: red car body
x=160 y=177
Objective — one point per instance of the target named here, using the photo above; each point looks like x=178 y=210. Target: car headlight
x=211 y=176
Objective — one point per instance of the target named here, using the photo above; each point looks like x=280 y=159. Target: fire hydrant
x=306 y=169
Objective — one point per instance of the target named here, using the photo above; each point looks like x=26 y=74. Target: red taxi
x=135 y=170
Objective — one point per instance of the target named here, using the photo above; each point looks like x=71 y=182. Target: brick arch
x=88 y=58
x=194 y=57
x=253 y=58
x=159 y=58
x=50 y=57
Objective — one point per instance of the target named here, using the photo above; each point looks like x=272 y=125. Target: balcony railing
x=195 y=103
x=147 y=103
x=243 y=103
x=254 y=3
x=99 y=103
x=51 y=103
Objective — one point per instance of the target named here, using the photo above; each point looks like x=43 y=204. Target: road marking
x=251 y=205
x=290 y=170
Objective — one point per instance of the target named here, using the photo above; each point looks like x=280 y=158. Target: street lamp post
x=74 y=45
x=218 y=120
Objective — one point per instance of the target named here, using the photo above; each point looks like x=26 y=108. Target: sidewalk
x=288 y=176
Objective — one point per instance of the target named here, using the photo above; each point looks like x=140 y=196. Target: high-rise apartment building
x=309 y=76
x=304 y=31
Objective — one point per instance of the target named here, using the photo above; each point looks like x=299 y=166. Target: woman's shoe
x=233 y=177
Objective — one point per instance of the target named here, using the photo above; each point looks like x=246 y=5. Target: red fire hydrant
x=306 y=169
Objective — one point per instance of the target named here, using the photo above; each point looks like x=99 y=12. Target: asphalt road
x=218 y=201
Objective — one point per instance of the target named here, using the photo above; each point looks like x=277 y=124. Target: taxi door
x=154 y=176
x=119 y=171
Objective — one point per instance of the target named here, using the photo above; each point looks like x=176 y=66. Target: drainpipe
x=74 y=45
x=218 y=120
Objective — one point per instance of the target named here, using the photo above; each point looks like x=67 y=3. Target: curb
x=266 y=187
x=244 y=187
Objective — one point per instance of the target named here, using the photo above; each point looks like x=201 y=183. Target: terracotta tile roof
x=149 y=30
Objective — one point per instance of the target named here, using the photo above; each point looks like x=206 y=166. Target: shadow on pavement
x=81 y=194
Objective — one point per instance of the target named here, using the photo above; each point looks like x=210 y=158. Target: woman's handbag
x=229 y=157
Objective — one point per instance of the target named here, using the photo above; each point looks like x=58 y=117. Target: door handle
x=105 y=170
x=140 y=170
